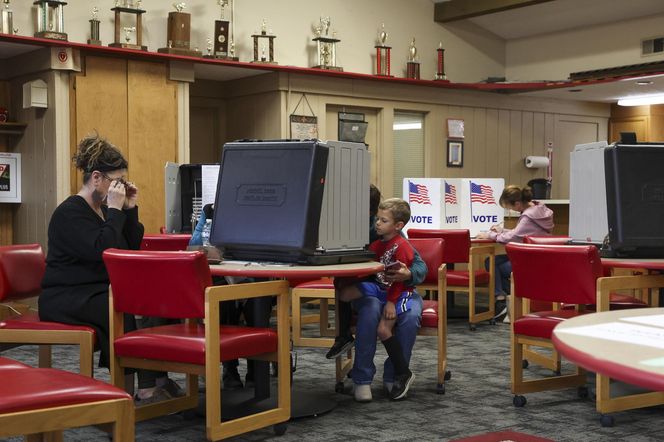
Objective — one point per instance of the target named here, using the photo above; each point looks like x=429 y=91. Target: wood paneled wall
x=133 y=105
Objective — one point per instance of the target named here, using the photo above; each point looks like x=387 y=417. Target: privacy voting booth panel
x=293 y=201
x=635 y=199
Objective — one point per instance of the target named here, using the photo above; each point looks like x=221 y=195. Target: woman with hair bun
x=536 y=220
x=102 y=215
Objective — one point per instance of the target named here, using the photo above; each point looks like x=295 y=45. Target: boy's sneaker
x=158 y=395
x=362 y=392
x=501 y=309
x=341 y=344
x=401 y=386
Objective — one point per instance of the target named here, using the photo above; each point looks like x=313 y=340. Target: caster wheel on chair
x=440 y=388
x=448 y=375
x=519 y=401
x=280 y=429
x=606 y=420
x=339 y=387
x=582 y=392
x=524 y=364
x=472 y=327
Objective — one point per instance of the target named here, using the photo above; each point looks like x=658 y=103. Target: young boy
x=392 y=250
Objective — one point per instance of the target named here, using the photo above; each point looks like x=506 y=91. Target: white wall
x=554 y=56
x=471 y=53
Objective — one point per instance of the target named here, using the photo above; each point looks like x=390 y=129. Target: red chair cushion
x=37 y=388
x=6 y=363
x=462 y=277
x=323 y=284
x=30 y=321
x=622 y=302
x=186 y=343
x=430 y=314
x=541 y=324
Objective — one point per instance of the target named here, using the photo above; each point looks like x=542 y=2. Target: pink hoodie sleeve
x=523 y=228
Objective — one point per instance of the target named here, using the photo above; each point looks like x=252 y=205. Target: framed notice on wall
x=10 y=177
x=303 y=127
x=455 y=128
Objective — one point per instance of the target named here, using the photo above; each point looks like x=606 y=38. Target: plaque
x=179 y=31
x=383 y=57
x=6 y=19
x=94 y=28
x=440 y=65
x=326 y=46
x=128 y=8
x=412 y=66
x=264 y=39
x=50 y=19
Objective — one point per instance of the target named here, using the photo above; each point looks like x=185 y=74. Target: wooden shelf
x=12 y=128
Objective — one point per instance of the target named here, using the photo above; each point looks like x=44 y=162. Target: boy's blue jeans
x=369 y=310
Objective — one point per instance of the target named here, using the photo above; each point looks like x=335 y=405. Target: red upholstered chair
x=41 y=402
x=178 y=285
x=165 y=241
x=458 y=250
x=553 y=240
x=554 y=274
x=21 y=271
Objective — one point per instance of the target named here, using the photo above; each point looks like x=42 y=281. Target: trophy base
x=180 y=51
x=442 y=78
x=128 y=46
x=52 y=35
x=94 y=42
x=221 y=57
x=329 y=68
x=384 y=75
x=264 y=62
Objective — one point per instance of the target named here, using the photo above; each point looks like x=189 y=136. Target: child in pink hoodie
x=536 y=220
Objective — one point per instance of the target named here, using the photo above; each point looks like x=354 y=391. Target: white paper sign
x=209 y=177
x=621 y=332
x=655 y=320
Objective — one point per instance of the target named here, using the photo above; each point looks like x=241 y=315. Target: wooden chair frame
x=475 y=253
x=327 y=333
x=215 y=428
x=47 y=424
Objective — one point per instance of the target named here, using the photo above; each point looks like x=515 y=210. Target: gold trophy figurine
x=412 y=66
x=123 y=9
x=326 y=46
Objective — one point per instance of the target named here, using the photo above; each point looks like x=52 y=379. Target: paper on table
x=209 y=177
x=655 y=320
x=620 y=332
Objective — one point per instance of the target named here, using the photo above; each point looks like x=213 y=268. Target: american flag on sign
x=450 y=194
x=418 y=193
x=479 y=193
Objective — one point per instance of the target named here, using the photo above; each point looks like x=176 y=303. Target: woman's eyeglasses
x=121 y=180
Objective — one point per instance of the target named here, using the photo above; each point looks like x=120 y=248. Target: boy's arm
x=418 y=270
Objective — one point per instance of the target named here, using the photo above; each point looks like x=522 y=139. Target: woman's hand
x=482 y=235
x=117 y=196
x=398 y=275
x=132 y=195
x=390 y=311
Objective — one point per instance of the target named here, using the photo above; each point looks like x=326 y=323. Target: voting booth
x=454 y=203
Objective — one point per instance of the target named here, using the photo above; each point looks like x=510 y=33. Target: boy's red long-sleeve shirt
x=396 y=249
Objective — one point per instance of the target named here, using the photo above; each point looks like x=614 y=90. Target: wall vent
x=652 y=46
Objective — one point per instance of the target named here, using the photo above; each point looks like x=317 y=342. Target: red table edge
x=629 y=375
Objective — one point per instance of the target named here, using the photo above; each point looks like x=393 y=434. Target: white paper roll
x=533 y=162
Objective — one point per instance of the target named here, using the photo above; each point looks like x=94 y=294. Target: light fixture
x=406 y=126
x=642 y=100
x=644 y=83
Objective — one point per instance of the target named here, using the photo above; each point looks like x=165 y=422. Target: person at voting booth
x=535 y=220
x=102 y=215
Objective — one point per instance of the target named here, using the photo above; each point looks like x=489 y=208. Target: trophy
x=383 y=60
x=50 y=19
x=326 y=46
x=440 y=72
x=128 y=7
x=94 y=28
x=412 y=66
x=6 y=22
x=259 y=39
x=179 y=30
x=223 y=34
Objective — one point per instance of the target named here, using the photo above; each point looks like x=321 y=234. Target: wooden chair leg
x=45 y=357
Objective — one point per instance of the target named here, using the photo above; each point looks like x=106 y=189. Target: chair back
x=457 y=242
x=21 y=271
x=165 y=242
x=554 y=273
x=432 y=251
x=557 y=240
x=156 y=283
